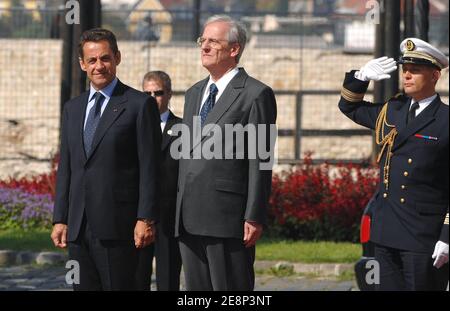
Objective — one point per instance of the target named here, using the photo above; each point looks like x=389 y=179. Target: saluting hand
x=377 y=69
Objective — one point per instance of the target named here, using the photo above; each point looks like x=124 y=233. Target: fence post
x=378 y=88
x=90 y=17
x=67 y=56
x=409 y=19
x=423 y=10
x=392 y=43
x=196 y=20
x=298 y=124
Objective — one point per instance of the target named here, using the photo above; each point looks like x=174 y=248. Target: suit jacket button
x=385 y=195
x=409 y=161
x=402 y=200
x=403 y=187
x=406 y=174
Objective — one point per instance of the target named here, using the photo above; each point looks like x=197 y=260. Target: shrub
x=20 y=209
x=321 y=202
x=39 y=184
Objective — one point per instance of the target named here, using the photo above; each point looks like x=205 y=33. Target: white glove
x=440 y=254
x=377 y=69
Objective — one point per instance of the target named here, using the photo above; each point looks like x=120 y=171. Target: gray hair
x=237 y=33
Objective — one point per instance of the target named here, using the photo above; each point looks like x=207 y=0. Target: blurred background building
x=301 y=48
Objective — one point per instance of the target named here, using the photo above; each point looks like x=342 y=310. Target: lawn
x=307 y=251
x=267 y=249
x=30 y=240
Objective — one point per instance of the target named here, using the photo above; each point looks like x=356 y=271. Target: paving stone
x=7 y=258
x=25 y=258
x=50 y=258
x=42 y=278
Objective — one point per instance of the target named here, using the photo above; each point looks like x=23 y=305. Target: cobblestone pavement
x=34 y=277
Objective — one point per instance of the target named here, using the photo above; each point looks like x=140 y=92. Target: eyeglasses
x=155 y=93
x=213 y=43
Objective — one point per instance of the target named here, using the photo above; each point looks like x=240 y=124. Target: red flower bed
x=310 y=202
x=321 y=202
x=39 y=184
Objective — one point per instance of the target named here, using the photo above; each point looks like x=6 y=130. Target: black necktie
x=92 y=122
x=209 y=103
x=412 y=111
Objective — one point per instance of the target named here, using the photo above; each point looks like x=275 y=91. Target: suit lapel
x=84 y=102
x=166 y=137
x=111 y=113
x=195 y=99
x=423 y=119
x=401 y=114
x=194 y=106
x=226 y=100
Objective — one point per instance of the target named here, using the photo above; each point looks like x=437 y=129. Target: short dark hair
x=96 y=35
x=158 y=75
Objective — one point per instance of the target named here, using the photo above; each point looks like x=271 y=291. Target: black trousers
x=405 y=270
x=219 y=264
x=104 y=264
x=144 y=267
x=168 y=263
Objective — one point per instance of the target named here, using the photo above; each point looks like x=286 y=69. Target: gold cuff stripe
x=446 y=220
x=351 y=96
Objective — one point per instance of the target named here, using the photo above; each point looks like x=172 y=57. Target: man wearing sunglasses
x=165 y=248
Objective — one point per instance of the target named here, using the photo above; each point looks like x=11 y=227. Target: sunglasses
x=155 y=93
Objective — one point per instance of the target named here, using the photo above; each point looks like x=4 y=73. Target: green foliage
x=307 y=251
x=26 y=240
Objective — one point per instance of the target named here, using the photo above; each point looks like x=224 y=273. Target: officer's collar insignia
x=410 y=46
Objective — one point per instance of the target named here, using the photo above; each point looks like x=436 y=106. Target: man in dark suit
x=105 y=205
x=410 y=216
x=222 y=202
x=167 y=252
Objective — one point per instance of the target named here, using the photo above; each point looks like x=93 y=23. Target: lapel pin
x=169 y=132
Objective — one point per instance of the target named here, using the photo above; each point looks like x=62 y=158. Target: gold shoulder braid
x=384 y=140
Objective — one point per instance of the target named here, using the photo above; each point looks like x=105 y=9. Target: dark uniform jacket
x=412 y=212
x=169 y=180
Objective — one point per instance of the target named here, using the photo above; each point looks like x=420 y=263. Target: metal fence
x=303 y=57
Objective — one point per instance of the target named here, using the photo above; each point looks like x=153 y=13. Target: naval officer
x=410 y=215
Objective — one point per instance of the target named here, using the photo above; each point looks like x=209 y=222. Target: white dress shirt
x=424 y=103
x=221 y=84
x=164 y=117
x=107 y=92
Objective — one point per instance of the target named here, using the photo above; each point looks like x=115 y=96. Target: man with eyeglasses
x=222 y=203
x=165 y=248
